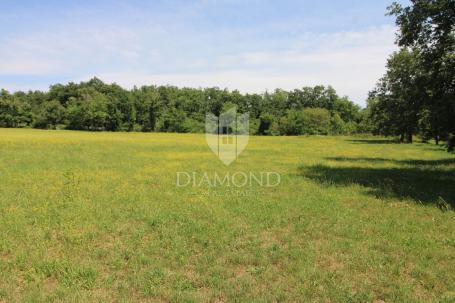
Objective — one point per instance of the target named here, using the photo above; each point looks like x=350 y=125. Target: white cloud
x=66 y=50
x=349 y=61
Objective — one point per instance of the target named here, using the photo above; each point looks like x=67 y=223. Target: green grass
x=98 y=217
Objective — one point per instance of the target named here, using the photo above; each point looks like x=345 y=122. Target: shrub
x=316 y=121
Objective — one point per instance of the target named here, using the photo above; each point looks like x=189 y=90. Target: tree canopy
x=97 y=106
x=417 y=93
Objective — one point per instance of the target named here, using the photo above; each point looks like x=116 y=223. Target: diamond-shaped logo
x=227 y=135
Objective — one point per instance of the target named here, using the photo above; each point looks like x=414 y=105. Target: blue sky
x=250 y=45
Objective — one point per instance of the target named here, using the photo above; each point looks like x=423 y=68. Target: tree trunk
x=451 y=143
x=436 y=139
x=409 y=137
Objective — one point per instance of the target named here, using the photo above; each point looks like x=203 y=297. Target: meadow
x=97 y=217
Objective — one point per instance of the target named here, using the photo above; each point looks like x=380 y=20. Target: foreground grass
x=98 y=217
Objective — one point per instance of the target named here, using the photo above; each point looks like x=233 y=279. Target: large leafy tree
x=398 y=98
x=428 y=27
x=15 y=111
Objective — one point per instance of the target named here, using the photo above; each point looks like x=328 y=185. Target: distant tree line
x=97 y=106
x=416 y=96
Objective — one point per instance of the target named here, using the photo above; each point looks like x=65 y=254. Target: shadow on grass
x=373 y=141
x=425 y=186
x=407 y=162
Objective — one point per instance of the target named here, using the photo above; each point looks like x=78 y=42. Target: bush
x=14 y=113
x=193 y=126
x=51 y=115
x=338 y=126
x=292 y=124
x=316 y=121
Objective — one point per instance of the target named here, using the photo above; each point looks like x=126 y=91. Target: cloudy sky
x=250 y=45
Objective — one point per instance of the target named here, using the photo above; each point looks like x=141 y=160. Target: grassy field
x=98 y=217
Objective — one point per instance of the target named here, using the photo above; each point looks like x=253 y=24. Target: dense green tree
x=291 y=124
x=14 y=110
x=316 y=121
x=398 y=96
x=51 y=114
x=90 y=112
x=428 y=27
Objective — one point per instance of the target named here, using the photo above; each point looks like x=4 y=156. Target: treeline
x=416 y=96
x=97 y=106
